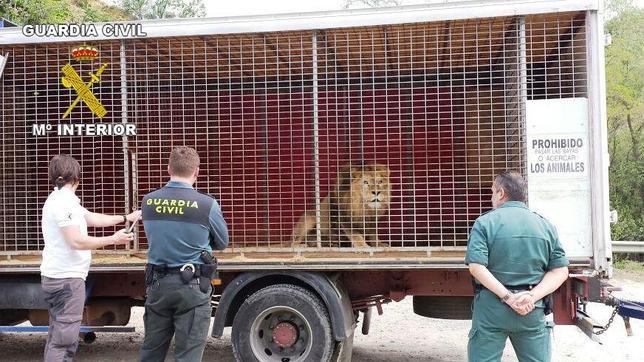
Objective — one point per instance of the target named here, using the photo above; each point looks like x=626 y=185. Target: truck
x=418 y=106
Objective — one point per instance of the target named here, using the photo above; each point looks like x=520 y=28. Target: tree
x=78 y=11
x=57 y=11
x=35 y=11
x=136 y=8
x=625 y=108
x=161 y=9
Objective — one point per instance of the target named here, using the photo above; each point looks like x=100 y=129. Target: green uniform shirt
x=517 y=245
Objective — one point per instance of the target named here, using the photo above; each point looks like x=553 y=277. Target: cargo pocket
x=200 y=323
x=65 y=330
x=56 y=298
x=473 y=333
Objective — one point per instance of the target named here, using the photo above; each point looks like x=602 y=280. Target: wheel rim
x=281 y=334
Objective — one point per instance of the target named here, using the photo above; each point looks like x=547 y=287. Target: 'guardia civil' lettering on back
x=171 y=206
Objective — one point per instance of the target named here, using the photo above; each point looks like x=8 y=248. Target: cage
x=276 y=116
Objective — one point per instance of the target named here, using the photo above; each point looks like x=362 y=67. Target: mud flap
x=343 y=349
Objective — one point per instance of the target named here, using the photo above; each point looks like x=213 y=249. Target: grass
x=629 y=265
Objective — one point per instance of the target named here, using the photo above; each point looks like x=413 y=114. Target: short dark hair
x=63 y=169
x=514 y=185
x=183 y=161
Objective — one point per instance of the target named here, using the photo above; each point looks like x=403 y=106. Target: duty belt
x=522 y=287
x=203 y=272
x=548 y=300
x=162 y=269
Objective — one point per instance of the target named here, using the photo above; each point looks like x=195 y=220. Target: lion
x=359 y=197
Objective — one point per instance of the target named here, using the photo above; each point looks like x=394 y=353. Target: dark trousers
x=175 y=308
x=65 y=301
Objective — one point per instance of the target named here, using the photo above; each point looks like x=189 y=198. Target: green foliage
x=625 y=108
x=78 y=11
x=94 y=11
x=161 y=9
x=134 y=7
x=630 y=265
x=626 y=182
x=35 y=11
x=59 y=11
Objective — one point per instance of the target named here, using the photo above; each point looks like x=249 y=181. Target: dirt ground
x=397 y=335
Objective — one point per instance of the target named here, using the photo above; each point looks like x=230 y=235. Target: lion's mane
x=359 y=197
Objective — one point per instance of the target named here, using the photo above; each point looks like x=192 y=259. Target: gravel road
x=397 y=335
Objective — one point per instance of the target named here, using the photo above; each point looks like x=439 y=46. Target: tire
x=257 y=326
x=443 y=307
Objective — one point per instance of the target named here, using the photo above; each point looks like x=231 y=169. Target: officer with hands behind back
x=182 y=226
x=517 y=260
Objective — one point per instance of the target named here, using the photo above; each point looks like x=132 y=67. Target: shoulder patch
x=486 y=213
x=484 y=217
x=550 y=224
x=153 y=192
x=203 y=193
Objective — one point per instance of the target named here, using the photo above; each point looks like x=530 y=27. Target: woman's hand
x=131 y=217
x=122 y=237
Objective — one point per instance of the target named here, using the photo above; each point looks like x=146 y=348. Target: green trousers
x=493 y=322
x=175 y=308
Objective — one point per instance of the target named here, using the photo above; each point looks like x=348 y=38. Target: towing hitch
x=589 y=288
x=626 y=309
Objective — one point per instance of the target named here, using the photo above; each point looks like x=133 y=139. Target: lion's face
x=370 y=188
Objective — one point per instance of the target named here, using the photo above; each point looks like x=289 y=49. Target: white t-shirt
x=59 y=260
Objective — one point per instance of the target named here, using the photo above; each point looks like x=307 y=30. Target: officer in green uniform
x=182 y=226
x=516 y=259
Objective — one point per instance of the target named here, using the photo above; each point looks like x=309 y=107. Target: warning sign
x=557 y=136
x=558 y=184
x=558 y=155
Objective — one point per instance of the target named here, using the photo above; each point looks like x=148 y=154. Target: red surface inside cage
x=260 y=164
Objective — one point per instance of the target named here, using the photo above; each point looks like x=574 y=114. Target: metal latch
x=612 y=217
x=3 y=62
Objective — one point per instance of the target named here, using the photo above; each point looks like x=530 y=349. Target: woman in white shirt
x=67 y=255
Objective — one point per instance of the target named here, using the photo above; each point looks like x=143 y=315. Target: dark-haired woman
x=67 y=255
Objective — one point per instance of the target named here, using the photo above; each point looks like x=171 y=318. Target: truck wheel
x=284 y=323
x=88 y=337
